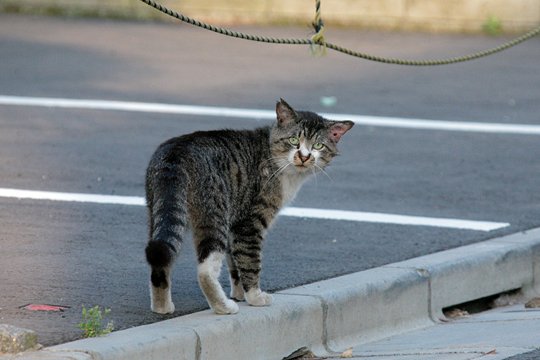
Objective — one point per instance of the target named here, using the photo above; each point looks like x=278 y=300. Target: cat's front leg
x=237 y=291
x=256 y=297
x=246 y=254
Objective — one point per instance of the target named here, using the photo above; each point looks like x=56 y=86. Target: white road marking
x=260 y=115
x=224 y=112
x=72 y=197
x=393 y=219
x=288 y=211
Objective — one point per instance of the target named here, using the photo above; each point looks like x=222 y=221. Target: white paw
x=166 y=308
x=256 y=297
x=160 y=300
x=227 y=308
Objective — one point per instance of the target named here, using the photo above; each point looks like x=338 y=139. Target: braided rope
x=434 y=62
x=318 y=42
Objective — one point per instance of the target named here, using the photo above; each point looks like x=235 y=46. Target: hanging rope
x=319 y=45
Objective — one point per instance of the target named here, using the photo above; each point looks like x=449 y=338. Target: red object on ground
x=44 y=307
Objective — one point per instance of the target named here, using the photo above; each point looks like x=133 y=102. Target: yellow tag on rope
x=318 y=47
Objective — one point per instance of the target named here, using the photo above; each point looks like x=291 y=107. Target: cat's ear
x=336 y=129
x=285 y=113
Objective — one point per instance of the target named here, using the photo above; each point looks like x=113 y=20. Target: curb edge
x=330 y=315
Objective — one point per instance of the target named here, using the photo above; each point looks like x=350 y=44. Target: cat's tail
x=166 y=203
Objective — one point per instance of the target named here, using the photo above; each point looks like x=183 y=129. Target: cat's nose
x=304 y=158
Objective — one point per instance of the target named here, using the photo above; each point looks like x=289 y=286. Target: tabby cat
x=229 y=185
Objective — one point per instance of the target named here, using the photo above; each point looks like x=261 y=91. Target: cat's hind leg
x=211 y=236
x=208 y=271
x=160 y=291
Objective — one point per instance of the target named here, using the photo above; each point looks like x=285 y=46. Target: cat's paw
x=256 y=297
x=229 y=307
x=165 y=308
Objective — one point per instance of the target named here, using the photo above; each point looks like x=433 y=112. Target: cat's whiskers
x=274 y=158
x=277 y=172
x=281 y=169
x=314 y=173
x=323 y=171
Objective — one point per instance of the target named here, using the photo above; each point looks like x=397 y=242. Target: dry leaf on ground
x=534 y=303
x=347 y=354
x=456 y=313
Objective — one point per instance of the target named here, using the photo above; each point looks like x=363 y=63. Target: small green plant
x=91 y=323
x=492 y=26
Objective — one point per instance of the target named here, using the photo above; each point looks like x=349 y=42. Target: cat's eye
x=294 y=140
x=318 y=146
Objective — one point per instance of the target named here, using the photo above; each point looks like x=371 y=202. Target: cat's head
x=304 y=141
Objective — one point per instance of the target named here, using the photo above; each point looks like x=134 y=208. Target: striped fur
x=229 y=185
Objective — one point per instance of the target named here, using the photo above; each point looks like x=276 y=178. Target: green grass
x=492 y=26
x=92 y=322
x=77 y=11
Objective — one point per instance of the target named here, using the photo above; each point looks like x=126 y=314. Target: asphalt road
x=71 y=254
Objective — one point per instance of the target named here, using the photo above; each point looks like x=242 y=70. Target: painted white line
x=72 y=197
x=137 y=107
x=225 y=112
x=393 y=219
x=288 y=211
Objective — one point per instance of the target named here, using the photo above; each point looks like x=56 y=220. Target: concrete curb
x=331 y=315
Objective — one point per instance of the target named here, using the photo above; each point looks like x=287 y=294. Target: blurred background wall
x=422 y=15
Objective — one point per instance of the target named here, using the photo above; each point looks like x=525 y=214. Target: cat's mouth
x=302 y=166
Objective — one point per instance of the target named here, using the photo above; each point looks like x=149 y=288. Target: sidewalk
x=496 y=334
x=426 y=15
x=393 y=311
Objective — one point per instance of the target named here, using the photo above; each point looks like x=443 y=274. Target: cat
x=229 y=185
